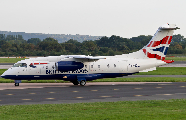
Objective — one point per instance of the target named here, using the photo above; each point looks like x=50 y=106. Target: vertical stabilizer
x=159 y=44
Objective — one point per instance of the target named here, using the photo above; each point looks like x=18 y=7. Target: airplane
x=79 y=69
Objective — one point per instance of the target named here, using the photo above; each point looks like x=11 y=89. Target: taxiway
x=56 y=93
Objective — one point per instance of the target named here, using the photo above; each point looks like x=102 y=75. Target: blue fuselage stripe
x=66 y=77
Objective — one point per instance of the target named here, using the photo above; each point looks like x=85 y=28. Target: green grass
x=2 y=71
x=123 y=110
x=11 y=60
x=165 y=71
x=176 y=58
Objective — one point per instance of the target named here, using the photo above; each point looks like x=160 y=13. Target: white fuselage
x=112 y=66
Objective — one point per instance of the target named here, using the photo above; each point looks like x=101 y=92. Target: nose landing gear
x=17 y=82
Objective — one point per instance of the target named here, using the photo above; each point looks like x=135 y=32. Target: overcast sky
x=92 y=17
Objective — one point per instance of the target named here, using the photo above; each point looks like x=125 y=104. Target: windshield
x=20 y=65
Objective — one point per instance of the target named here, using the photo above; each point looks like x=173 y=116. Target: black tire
x=83 y=83
x=16 y=84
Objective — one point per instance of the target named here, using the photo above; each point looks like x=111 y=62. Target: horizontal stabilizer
x=151 y=69
x=168 y=28
x=168 y=61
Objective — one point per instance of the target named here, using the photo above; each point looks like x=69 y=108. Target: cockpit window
x=20 y=65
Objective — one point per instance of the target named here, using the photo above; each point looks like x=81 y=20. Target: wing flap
x=88 y=57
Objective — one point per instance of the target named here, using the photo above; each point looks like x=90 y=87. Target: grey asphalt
x=56 y=93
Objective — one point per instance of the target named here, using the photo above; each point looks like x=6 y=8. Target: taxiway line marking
x=26 y=99
x=79 y=97
x=138 y=95
x=138 y=88
x=51 y=92
x=105 y=96
x=75 y=91
x=50 y=98
x=94 y=90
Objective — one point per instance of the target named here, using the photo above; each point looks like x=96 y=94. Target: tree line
x=15 y=45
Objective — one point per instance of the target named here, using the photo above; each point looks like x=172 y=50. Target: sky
x=92 y=17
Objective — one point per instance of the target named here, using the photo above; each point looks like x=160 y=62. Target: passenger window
x=91 y=66
x=98 y=66
x=114 y=65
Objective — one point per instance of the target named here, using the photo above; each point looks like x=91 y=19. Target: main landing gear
x=81 y=82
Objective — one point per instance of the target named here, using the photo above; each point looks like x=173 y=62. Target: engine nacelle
x=66 y=66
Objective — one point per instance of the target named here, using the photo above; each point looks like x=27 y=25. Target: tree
x=50 y=44
x=2 y=37
x=34 y=41
x=177 y=38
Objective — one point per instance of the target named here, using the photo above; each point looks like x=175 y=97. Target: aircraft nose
x=3 y=75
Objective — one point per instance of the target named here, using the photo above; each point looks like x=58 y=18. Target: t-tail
x=159 y=44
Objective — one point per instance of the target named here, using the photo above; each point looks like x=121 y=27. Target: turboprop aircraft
x=80 y=68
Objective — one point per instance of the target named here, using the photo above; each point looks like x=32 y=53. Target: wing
x=89 y=57
x=84 y=58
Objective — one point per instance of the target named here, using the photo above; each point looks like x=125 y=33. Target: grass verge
x=176 y=58
x=130 y=110
x=11 y=60
x=165 y=71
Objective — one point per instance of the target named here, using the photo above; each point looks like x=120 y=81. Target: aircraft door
x=123 y=66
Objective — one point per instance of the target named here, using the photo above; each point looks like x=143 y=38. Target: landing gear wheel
x=82 y=83
x=16 y=84
x=75 y=82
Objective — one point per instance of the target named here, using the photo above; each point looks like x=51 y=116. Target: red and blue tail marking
x=158 y=46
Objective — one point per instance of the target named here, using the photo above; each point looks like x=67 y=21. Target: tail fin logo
x=157 y=49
